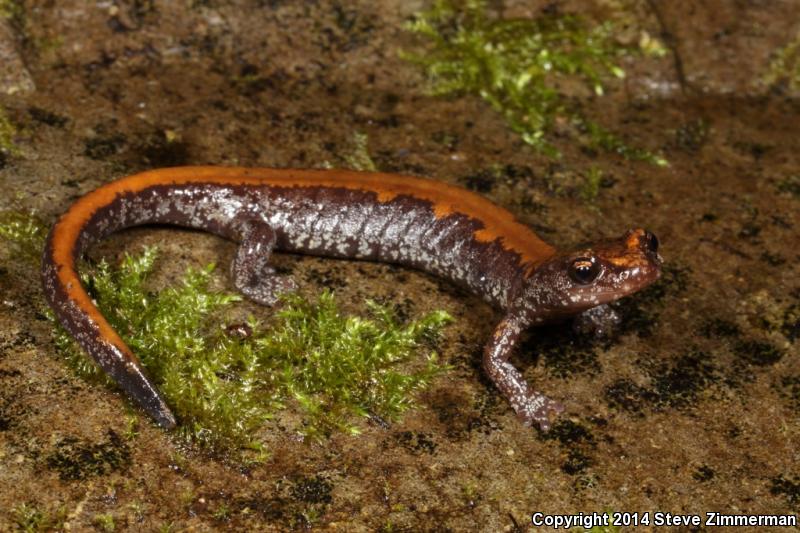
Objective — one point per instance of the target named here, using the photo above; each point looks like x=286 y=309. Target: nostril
x=651 y=241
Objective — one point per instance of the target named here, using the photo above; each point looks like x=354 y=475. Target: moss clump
x=356 y=155
x=785 y=65
x=337 y=366
x=593 y=181
x=516 y=65
x=359 y=157
x=33 y=519
x=25 y=232
x=223 y=387
x=10 y=9
x=7 y=134
x=105 y=522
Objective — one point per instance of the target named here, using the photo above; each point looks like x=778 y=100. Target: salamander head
x=570 y=283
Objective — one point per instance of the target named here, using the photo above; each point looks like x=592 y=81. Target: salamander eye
x=584 y=270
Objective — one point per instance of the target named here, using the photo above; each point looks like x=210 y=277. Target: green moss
x=785 y=65
x=222 y=513
x=25 y=232
x=358 y=158
x=105 y=522
x=7 y=134
x=327 y=359
x=33 y=519
x=516 y=65
x=590 y=188
x=10 y=9
x=356 y=155
x=223 y=387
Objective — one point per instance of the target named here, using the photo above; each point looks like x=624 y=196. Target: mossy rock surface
x=691 y=406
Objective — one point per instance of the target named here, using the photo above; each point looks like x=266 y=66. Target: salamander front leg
x=531 y=406
x=250 y=270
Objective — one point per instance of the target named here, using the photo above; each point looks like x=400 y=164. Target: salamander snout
x=642 y=241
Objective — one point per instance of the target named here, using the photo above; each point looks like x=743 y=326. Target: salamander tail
x=76 y=311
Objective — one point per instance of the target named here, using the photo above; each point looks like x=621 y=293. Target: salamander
x=429 y=225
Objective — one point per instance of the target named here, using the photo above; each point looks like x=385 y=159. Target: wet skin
x=432 y=226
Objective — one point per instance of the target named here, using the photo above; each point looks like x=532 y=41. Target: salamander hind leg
x=250 y=270
x=531 y=406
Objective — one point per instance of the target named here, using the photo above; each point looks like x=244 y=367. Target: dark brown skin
x=424 y=224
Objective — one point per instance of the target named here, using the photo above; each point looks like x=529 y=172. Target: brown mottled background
x=692 y=407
